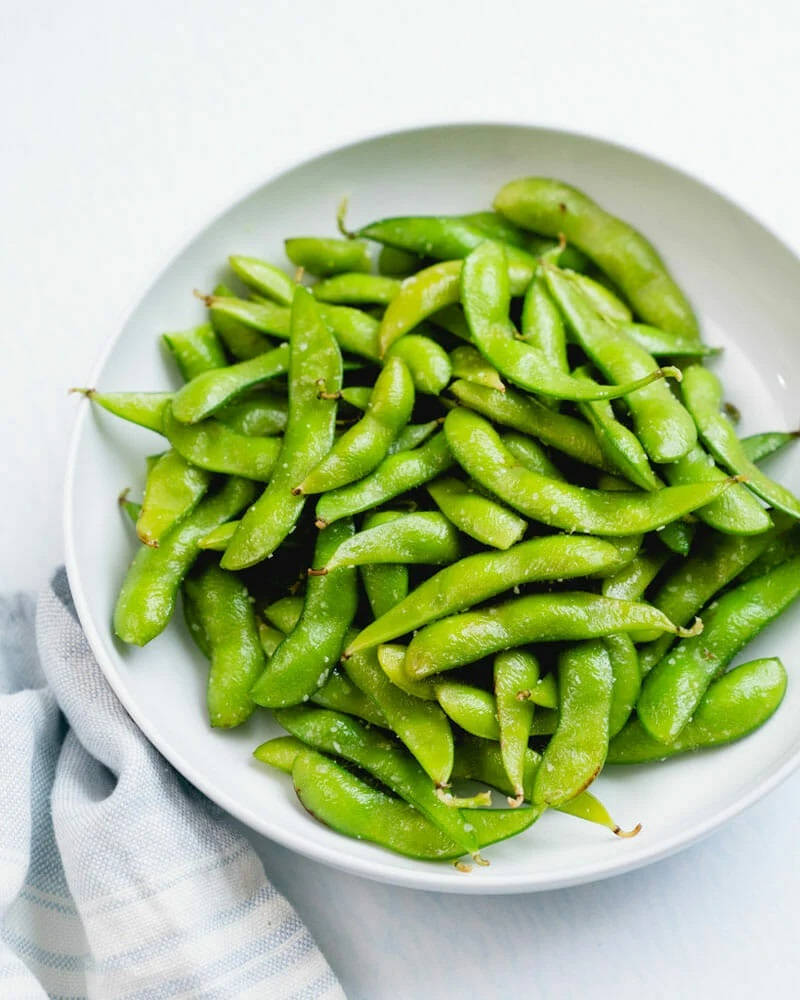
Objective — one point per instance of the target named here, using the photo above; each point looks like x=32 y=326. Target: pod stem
x=670 y=371
x=687 y=633
x=479 y=801
x=619 y=832
x=208 y=300
x=318 y=572
x=516 y=801
x=88 y=393
x=341 y=219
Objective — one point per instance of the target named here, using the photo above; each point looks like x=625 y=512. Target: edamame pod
x=143 y=408
x=757 y=447
x=315 y=376
x=676 y=684
x=284 y=613
x=264 y=278
x=487 y=574
x=341 y=695
x=475 y=711
x=357 y=289
x=361 y=448
x=427 y=362
x=661 y=344
x=195 y=351
x=173 y=489
x=467 y=637
x=531 y=455
x=468 y=364
x=478 y=449
x=516 y=673
x=627 y=679
x=213 y=446
x=225 y=613
x=242 y=339
x=422 y=537
x=322 y=256
x=148 y=593
x=412 y=436
x=732 y=707
x=476 y=515
x=258 y=415
x=541 y=323
x=552 y=207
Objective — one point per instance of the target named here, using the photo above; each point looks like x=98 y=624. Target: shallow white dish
x=745 y=286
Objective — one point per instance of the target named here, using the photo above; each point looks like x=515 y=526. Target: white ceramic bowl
x=745 y=286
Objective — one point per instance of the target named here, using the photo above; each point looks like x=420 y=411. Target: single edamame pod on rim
x=305 y=658
x=225 y=613
x=757 y=447
x=577 y=751
x=361 y=448
x=732 y=707
x=147 y=598
x=557 y=617
x=676 y=684
x=703 y=397
x=315 y=377
x=552 y=207
x=478 y=449
x=487 y=574
x=143 y=408
x=173 y=489
x=195 y=351
x=476 y=515
x=516 y=673
x=322 y=256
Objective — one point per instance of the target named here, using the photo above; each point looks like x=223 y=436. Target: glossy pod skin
x=757 y=447
x=542 y=325
x=394 y=475
x=577 y=751
x=385 y=759
x=421 y=725
x=663 y=426
x=627 y=679
x=143 y=408
x=225 y=613
x=422 y=537
x=195 y=351
x=676 y=684
x=467 y=637
x=478 y=449
x=516 y=672
x=468 y=364
x=348 y=805
x=304 y=660
x=385 y=584
x=552 y=207
x=284 y=613
x=173 y=489
x=427 y=362
x=412 y=436
x=661 y=344
x=315 y=375
x=357 y=289
x=322 y=257
x=702 y=394
x=147 y=598
x=531 y=455
x=361 y=448
x=258 y=414
x=210 y=390
x=486 y=297
x=487 y=574
x=476 y=515
x=213 y=446
x=263 y=278
x=732 y=707
x=341 y=695
x=475 y=711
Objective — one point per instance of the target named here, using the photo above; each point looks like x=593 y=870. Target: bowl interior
x=745 y=286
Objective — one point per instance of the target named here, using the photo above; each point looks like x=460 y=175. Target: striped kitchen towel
x=117 y=878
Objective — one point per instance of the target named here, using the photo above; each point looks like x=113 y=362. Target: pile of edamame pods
x=479 y=515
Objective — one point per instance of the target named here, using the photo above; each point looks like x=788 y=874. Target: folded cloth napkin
x=117 y=878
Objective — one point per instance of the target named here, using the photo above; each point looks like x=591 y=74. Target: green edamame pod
x=392 y=659
x=385 y=584
x=195 y=351
x=716 y=561
x=757 y=447
x=661 y=344
x=512 y=409
x=280 y=752
x=284 y=613
x=219 y=539
x=487 y=574
x=516 y=673
x=732 y=707
x=421 y=725
x=305 y=658
x=315 y=375
x=269 y=637
x=627 y=679
x=259 y=415
x=475 y=711
x=341 y=695
x=225 y=612
x=663 y=426
x=577 y=751
x=357 y=289
x=130 y=507
x=395 y=475
x=143 y=408
x=148 y=593
x=213 y=446
x=264 y=278
x=423 y=537
x=355 y=330
x=412 y=436
x=193 y=625
x=467 y=363
x=477 y=448
x=242 y=323
x=348 y=805
x=676 y=684
x=211 y=390
x=678 y=536
x=427 y=362
x=395 y=263
x=383 y=758
x=322 y=256
x=542 y=325
x=785 y=546
x=552 y=207
x=486 y=297
x=702 y=393
x=476 y=515
x=603 y=300
x=531 y=455
x=173 y=489
x=361 y=448
x=736 y=512
x=566 y=616
x=357 y=396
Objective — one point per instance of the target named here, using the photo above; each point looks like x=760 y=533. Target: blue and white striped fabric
x=117 y=878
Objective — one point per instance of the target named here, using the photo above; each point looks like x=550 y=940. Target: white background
x=126 y=126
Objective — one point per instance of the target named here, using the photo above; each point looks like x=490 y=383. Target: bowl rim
x=430 y=878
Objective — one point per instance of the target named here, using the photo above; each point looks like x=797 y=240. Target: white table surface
x=126 y=126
